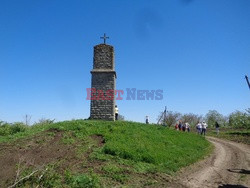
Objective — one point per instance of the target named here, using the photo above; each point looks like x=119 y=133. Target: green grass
x=115 y=172
x=81 y=180
x=130 y=149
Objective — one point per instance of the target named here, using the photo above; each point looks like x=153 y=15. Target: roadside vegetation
x=233 y=134
x=234 y=127
x=86 y=153
x=237 y=119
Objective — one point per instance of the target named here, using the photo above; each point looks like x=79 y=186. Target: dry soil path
x=228 y=166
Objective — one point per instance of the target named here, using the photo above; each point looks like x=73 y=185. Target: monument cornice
x=103 y=71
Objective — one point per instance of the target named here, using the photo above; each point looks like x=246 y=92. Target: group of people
x=182 y=127
x=201 y=128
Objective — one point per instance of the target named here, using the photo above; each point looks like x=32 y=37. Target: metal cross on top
x=104 y=38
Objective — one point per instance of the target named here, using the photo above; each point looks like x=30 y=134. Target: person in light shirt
x=198 y=127
x=187 y=126
x=203 y=128
x=116 y=112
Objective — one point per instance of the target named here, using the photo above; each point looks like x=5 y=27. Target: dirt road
x=228 y=166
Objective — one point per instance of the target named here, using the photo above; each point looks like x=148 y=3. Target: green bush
x=5 y=129
x=18 y=127
x=240 y=119
x=10 y=129
x=44 y=121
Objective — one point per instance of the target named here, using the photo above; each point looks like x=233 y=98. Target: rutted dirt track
x=228 y=166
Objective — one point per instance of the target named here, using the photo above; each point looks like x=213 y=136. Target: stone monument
x=103 y=82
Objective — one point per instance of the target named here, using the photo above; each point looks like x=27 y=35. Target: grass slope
x=84 y=153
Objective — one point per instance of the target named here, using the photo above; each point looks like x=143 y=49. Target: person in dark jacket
x=180 y=126
x=217 y=126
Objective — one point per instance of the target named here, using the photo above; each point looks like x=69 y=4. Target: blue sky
x=197 y=52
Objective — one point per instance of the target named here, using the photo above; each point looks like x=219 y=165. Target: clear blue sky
x=196 y=51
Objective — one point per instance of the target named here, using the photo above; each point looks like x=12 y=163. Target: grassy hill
x=84 y=153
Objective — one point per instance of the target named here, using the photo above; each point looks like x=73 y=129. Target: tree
x=240 y=119
x=2 y=122
x=212 y=116
x=190 y=118
x=171 y=118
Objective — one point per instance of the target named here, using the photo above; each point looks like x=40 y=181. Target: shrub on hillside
x=18 y=127
x=10 y=129
x=5 y=129
x=44 y=121
x=240 y=119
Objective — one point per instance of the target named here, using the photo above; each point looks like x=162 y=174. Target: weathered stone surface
x=104 y=57
x=104 y=79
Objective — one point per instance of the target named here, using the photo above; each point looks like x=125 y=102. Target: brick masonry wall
x=103 y=78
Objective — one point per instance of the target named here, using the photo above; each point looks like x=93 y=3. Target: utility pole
x=247 y=81
x=27 y=119
x=163 y=117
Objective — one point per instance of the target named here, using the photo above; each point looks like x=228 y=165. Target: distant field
x=84 y=153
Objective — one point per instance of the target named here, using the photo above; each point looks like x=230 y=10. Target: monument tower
x=103 y=82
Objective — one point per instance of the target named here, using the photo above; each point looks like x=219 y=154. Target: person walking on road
x=184 y=127
x=180 y=126
x=217 y=126
x=203 y=128
x=187 y=127
x=177 y=126
x=198 y=127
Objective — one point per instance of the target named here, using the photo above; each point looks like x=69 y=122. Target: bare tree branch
x=26 y=177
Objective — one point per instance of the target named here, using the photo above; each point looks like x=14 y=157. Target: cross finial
x=104 y=38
